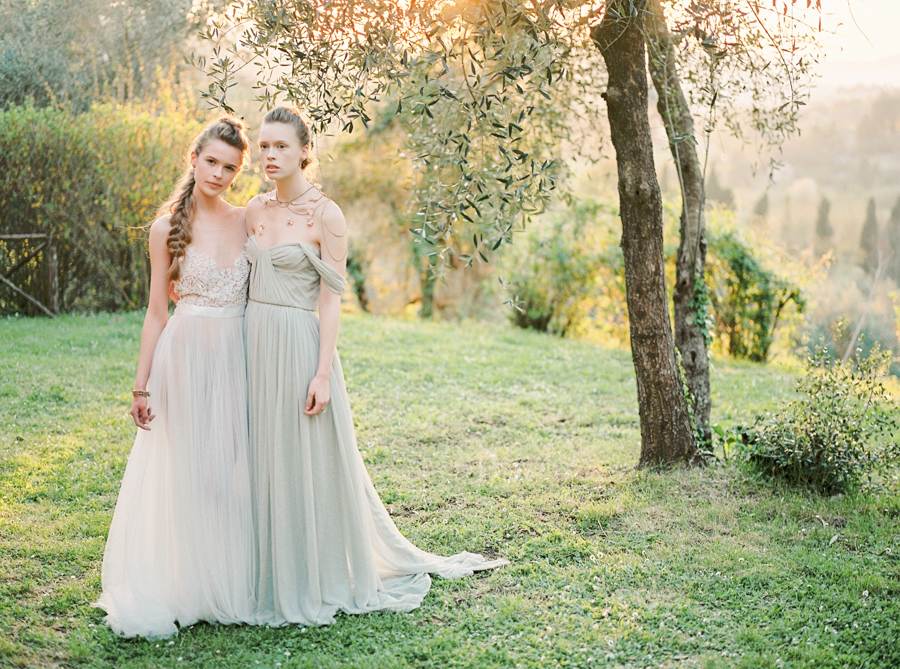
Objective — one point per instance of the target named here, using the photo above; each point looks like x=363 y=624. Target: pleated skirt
x=181 y=544
x=325 y=541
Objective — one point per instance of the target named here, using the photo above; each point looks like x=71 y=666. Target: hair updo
x=180 y=204
x=290 y=115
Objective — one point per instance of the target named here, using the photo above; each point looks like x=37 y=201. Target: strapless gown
x=180 y=545
x=326 y=542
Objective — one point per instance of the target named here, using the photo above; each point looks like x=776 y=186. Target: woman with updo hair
x=180 y=546
x=325 y=541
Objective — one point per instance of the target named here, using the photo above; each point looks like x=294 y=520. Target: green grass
x=478 y=438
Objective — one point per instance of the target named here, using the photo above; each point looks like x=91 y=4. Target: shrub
x=93 y=181
x=557 y=274
x=834 y=437
x=748 y=297
x=57 y=52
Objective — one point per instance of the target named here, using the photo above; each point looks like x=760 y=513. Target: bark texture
x=666 y=434
x=690 y=265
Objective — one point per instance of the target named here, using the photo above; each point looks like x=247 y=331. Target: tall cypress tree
x=868 y=242
x=760 y=217
x=787 y=223
x=893 y=239
x=824 y=241
x=716 y=192
x=761 y=208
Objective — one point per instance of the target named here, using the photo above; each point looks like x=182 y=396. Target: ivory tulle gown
x=180 y=548
x=326 y=543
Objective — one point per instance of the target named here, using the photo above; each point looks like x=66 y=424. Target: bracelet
x=140 y=393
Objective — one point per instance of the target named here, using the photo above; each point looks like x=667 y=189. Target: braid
x=181 y=202
x=182 y=209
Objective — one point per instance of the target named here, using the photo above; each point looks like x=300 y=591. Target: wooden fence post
x=52 y=275
x=51 y=255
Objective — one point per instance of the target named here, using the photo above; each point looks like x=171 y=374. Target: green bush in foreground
x=837 y=435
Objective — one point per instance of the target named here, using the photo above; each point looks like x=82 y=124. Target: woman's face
x=280 y=151
x=215 y=167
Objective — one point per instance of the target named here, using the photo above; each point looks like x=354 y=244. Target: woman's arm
x=156 y=318
x=333 y=245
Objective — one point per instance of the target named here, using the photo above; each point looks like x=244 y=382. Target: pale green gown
x=326 y=542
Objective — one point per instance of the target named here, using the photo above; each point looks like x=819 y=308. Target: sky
x=875 y=38
x=857 y=32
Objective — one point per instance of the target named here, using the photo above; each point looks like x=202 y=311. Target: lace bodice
x=203 y=283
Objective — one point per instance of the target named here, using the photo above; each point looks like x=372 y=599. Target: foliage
x=477 y=438
x=488 y=93
x=892 y=238
x=73 y=54
x=748 y=64
x=824 y=232
x=357 y=268
x=847 y=293
x=716 y=193
x=93 y=181
x=877 y=132
x=761 y=208
x=495 y=93
x=748 y=297
x=556 y=273
x=841 y=430
x=870 y=256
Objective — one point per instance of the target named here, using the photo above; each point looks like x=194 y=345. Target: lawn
x=478 y=438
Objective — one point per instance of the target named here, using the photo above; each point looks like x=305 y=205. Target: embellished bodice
x=289 y=274
x=204 y=283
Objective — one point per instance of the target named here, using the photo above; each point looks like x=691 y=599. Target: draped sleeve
x=335 y=282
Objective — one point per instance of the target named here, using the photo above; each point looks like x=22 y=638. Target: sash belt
x=275 y=304
x=182 y=309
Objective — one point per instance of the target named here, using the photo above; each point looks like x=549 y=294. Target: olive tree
x=491 y=89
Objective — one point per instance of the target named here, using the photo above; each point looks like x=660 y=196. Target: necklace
x=282 y=203
x=294 y=208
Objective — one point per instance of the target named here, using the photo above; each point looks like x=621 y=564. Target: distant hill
x=883 y=73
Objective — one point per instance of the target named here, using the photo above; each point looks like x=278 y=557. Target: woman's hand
x=318 y=396
x=140 y=411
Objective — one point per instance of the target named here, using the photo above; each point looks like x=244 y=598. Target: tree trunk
x=428 y=283
x=666 y=434
x=690 y=265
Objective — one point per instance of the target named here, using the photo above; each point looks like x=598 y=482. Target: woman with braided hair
x=325 y=541
x=180 y=546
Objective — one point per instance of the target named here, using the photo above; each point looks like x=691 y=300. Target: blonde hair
x=181 y=202
x=291 y=116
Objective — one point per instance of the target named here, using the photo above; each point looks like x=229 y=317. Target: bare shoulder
x=253 y=212
x=333 y=219
x=237 y=213
x=160 y=228
x=159 y=240
x=256 y=203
